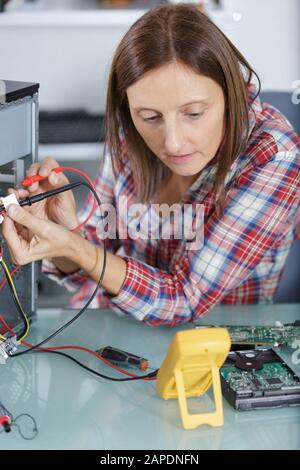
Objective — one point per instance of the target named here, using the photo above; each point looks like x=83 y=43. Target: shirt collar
x=255 y=109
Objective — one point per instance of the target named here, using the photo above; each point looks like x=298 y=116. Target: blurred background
x=67 y=46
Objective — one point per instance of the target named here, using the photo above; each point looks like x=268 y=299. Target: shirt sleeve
x=104 y=184
x=257 y=207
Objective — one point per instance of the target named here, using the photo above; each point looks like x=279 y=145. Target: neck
x=183 y=182
x=173 y=190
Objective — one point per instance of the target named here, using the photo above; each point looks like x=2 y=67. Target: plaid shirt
x=243 y=252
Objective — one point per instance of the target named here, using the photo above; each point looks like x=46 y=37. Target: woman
x=184 y=124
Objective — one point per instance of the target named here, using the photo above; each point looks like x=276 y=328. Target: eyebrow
x=203 y=101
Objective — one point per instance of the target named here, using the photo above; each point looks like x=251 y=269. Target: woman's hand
x=30 y=238
x=61 y=208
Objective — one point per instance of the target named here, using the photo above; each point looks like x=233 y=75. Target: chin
x=185 y=171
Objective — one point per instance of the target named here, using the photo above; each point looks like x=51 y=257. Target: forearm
x=89 y=257
x=65 y=265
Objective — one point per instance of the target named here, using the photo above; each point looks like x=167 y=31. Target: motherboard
x=275 y=336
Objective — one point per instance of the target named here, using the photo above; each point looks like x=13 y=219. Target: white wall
x=269 y=36
x=70 y=53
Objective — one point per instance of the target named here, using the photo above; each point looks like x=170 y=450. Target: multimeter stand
x=191 y=421
x=190 y=368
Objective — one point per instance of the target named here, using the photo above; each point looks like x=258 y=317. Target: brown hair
x=166 y=34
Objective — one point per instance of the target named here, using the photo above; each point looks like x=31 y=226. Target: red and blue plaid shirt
x=243 y=253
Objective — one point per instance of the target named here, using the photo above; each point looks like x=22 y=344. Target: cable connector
x=7 y=348
x=5 y=202
x=11 y=345
x=3 y=354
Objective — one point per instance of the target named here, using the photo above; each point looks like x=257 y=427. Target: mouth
x=181 y=159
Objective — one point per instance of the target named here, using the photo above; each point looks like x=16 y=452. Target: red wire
x=89 y=180
x=32 y=179
x=16 y=268
x=59 y=170
x=80 y=348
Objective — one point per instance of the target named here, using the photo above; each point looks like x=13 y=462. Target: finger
x=11 y=236
x=19 y=193
x=18 y=244
x=47 y=166
x=54 y=179
x=33 y=169
x=57 y=179
x=43 y=169
x=33 y=188
x=19 y=228
x=21 y=216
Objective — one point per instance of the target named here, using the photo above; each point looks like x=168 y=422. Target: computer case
x=18 y=150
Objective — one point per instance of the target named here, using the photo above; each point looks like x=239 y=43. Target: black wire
x=28 y=201
x=21 y=353
x=33 y=348
x=16 y=303
x=114 y=379
x=7 y=413
x=34 y=429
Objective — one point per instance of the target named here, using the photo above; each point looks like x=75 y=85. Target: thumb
x=57 y=179
x=21 y=216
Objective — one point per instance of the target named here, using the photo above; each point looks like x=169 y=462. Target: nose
x=173 y=138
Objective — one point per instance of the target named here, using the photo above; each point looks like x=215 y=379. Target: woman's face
x=180 y=116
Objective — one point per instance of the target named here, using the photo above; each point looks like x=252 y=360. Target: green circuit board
x=275 y=336
x=271 y=377
x=259 y=378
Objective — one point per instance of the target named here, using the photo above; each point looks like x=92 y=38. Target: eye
x=150 y=119
x=195 y=115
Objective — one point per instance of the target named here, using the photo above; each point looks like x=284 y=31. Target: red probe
x=37 y=178
x=5 y=419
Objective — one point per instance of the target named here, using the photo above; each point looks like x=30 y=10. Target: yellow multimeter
x=190 y=368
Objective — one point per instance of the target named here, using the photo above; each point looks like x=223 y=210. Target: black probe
x=28 y=201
